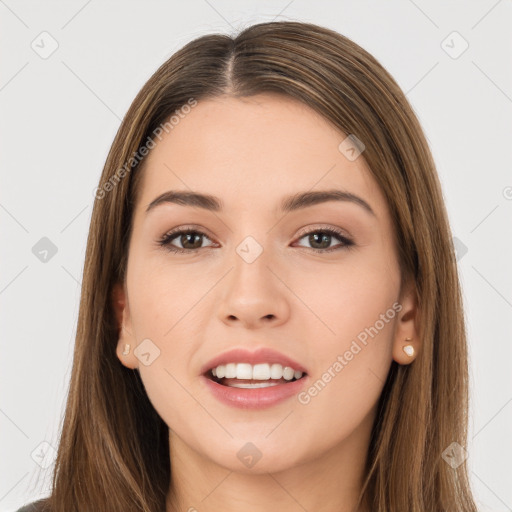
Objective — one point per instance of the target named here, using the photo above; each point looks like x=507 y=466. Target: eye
x=322 y=238
x=190 y=240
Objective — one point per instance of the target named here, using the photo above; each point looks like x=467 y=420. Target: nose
x=253 y=294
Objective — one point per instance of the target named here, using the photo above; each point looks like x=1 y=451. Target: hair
x=113 y=452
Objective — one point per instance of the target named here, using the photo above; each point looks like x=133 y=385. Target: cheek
x=350 y=334
x=349 y=296
x=164 y=326
x=350 y=366
x=162 y=318
x=163 y=295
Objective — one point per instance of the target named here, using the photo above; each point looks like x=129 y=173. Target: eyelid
x=302 y=231
x=319 y=227
x=189 y=227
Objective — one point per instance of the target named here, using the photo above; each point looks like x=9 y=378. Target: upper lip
x=261 y=355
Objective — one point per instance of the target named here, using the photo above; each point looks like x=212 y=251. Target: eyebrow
x=288 y=204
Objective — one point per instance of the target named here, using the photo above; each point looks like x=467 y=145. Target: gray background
x=60 y=112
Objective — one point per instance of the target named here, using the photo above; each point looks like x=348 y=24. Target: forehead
x=254 y=151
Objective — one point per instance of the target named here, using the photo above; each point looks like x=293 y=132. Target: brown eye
x=320 y=239
x=190 y=240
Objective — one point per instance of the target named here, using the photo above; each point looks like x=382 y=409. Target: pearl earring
x=126 y=350
x=408 y=349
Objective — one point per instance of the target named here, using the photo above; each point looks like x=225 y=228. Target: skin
x=251 y=153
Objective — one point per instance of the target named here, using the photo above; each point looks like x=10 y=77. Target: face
x=319 y=283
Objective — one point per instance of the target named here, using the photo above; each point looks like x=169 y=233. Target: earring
x=408 y=349
x=126 y=350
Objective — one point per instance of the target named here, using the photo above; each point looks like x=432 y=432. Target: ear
x=407 y=325
x=124 y=328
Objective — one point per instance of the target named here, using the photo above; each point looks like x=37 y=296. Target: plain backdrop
x=70 y=70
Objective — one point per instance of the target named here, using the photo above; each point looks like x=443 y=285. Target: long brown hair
x=114 y=449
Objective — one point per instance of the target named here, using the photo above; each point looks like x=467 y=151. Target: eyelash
x=165 y=241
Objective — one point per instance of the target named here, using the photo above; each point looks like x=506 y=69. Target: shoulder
x=34 y=506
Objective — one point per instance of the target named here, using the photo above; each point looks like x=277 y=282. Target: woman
x=271 y=315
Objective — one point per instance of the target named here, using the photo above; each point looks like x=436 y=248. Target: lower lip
x=257 y=398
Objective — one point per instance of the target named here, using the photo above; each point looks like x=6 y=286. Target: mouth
x=254 y=386
x=251 y=383
x=241 y=377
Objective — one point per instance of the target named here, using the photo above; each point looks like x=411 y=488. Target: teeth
x=243 y=371
x=262 y=371
x=230 y=371
x=249 y=385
